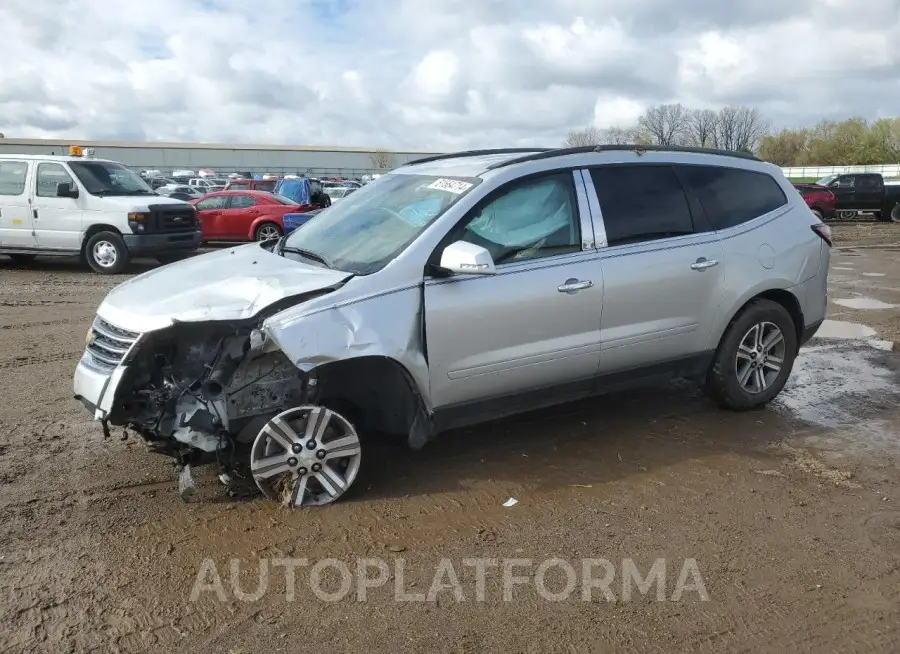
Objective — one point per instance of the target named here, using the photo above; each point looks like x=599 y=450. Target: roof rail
x=639 y=149
x=476 y=153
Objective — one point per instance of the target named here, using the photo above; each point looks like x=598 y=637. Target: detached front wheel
x=106 y=253
x=307 y=456
x=754 y=358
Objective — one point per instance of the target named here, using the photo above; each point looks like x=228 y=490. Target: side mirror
x=464 y=258
x=66 y=190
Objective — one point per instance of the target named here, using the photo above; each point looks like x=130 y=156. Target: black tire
x=171 y=258
x=22 y=259
x=105 y=240
x=895 y=213
x=258 y=235
x=722 y=383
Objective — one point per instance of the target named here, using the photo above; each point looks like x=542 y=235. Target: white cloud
x=436 y=74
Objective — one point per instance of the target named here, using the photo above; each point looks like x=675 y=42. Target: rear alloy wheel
x=754 y=358
x=307 y=456
x=106 y=253
x=268 y=232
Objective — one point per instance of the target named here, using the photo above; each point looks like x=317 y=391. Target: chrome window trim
x=588 y=239
x=599 y=226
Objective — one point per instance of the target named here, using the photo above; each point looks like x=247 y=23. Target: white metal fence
x=796 y=172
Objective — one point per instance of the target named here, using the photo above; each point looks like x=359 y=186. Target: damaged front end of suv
x=279 y=397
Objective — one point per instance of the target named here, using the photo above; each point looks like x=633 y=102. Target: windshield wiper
x=281 y=249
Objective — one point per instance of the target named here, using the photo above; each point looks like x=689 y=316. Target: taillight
x=824 y=232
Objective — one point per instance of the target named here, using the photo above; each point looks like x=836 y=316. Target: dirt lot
x=791 y=513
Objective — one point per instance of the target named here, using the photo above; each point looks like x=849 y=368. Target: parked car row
x=850 y=194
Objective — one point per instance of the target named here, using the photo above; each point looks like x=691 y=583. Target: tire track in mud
x=41 y=323
x=41 y=303
x=34 y=360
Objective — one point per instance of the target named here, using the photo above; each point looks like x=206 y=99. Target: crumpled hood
x=230 y=284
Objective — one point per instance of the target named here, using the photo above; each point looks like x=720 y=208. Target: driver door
x=530 y=334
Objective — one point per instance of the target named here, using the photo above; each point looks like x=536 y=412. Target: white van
x=98 y=209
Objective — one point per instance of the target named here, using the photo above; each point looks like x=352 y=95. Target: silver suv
x=458 y=289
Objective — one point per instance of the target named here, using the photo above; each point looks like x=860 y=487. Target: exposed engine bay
x=199 y=392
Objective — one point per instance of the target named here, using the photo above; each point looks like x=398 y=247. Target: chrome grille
x=108 y=345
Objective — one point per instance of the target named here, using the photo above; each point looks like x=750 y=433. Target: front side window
x=12 y=177
x=641 y=203
x=531 y=220
x=215 y=202
x=732 y=196
x=49 y=175
x=265 y=186
x=103 y=178
x=368 y=229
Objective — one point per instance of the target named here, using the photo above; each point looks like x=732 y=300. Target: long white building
x=225 y=158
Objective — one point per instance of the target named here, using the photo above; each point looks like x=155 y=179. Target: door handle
x=35 y=213
x=703 y=263
x=574 y=285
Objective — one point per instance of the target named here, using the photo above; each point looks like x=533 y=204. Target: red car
x=243 y=215
x=242 y=184
x=818 y=198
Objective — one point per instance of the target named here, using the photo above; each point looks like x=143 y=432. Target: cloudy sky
x=430 y=74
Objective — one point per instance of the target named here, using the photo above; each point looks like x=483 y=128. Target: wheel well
x=785 y=299
x=96 y=229
x=376 y=394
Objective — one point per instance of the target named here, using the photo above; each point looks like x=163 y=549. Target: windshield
x=108 y=178
x=370 y=227
x=825 y=181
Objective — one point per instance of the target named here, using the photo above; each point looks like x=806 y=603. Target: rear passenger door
x=869 y=192
x=663 y=282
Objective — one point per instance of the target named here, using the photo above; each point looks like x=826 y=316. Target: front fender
x=385 y=325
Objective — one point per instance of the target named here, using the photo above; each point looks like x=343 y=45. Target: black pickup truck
x=864 y=193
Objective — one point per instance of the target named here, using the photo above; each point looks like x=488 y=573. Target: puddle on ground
x=873 y=274
x=838 y=385
x=844 y=330
x=864 y=303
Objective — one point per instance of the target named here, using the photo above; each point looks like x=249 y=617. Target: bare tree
x=382 y=158
x=2 y=135
x=665 y=124
x=596 y=136
x=700 y=130
x=740 y=129
x=578 y=138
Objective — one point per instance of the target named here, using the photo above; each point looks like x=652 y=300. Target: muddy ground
x=791 y=513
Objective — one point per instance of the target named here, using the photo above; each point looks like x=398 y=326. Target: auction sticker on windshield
x=450 y=185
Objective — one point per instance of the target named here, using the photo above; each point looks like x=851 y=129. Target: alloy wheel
x=759 y=357
x=307 y=456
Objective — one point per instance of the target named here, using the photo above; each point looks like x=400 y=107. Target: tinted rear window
x=731 y=196
x=641 y=203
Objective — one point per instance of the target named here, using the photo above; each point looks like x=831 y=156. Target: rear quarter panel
x=777 y=251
